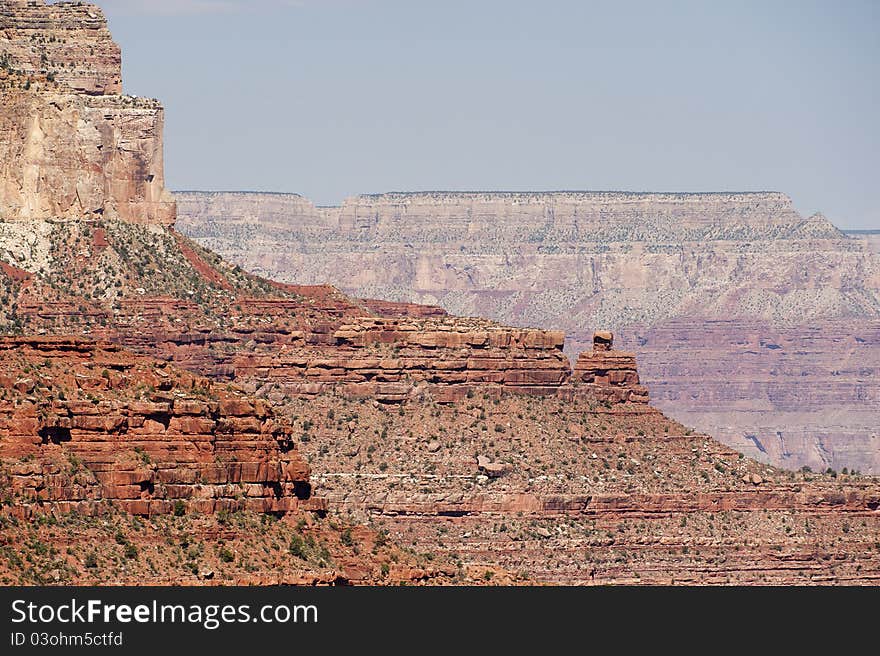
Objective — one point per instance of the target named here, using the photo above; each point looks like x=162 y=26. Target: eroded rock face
x=617 y=370
x=523 y=466
x=67 y=155
x=70 y=145
x=796 y=395
x=870 y=237
x=724 y=296
x=155 y=293
x=67 y=40
x=83 y=423
x=568 y=490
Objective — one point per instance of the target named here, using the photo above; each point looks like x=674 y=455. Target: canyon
x=751 y=322
x=167 y=417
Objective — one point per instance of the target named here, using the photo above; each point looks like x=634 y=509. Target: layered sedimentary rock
x=606 y=368
x=68 y=41
x=750 y=381
x=70 y=145
x=724 y=296
x=67 y=155
x=173 y=301
x=569 y=490
x=90 y=423
x=870 y=237
x=474 y=443
x=93 y=437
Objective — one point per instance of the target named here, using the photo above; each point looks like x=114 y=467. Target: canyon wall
x=153 y=292
x=871 y=238
x=89 y=423
x=70 y=145
x=68 y=41
x=142 y=375
x=730 y=300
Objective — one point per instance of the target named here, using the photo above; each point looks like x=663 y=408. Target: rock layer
x=70 y=145
x=728 y=289
x=213 y=319
x=83 y=423
x=870 y=237
x=495 y=458
x=68 y=41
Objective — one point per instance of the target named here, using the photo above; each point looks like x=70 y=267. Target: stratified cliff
x=70 y=145
x=870 y=237
x=154 y=292
x=166 y=417
x=751 y=322
x=139 y=433
x=68 y=41
x=92 y=435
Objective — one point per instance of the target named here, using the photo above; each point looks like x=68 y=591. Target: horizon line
x=532 y=192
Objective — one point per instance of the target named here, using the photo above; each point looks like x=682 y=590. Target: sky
x=331 y=98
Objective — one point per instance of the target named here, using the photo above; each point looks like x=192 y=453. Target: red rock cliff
x=83 y=423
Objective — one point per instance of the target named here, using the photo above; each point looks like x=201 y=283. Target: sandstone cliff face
x=566 y=217
x=67 y=156
x=91 y=435
x=70 y=146
x=543 y=219
x=66 y=40
x=88 y=423
x=716 y=292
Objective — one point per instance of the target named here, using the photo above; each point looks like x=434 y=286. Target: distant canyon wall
x=871 y=238
x=751 y=322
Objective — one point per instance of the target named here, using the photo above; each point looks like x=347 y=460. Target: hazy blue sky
x=329 y=98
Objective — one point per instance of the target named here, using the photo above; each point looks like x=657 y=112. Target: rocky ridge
x=726 y=297
x=151 y=291
x=145 y=472
x=137 y=432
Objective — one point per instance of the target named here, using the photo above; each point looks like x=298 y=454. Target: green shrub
x=298 y=546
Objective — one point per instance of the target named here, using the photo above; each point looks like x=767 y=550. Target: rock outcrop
x=154 y=293
x=84 y=423
x=70 y=145
x=615 y=371
x=720 y=294
x=68 y=41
